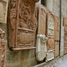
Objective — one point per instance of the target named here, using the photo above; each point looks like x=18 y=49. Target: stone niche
x=22 y=24
x=3 y=10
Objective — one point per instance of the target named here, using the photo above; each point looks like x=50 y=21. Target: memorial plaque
x=57 y=28
x=42 y=20
x=56 y=48
x=22 y=24
x=50 y=24
x=3 y=10
x=41 y=47
x=50 y=31
x=50 y=43
x=3 y=44
x=49 y=55
x=65 y=35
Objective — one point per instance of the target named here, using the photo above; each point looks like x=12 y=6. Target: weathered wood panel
x=22 y=24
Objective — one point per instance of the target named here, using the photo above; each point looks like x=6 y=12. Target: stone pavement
x=62 y=64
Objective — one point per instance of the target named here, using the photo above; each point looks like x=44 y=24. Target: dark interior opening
x=43 y=2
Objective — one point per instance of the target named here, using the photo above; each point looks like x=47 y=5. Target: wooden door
x=57 y=35
x=50 y=31
x=22 y=24
x=65 y=35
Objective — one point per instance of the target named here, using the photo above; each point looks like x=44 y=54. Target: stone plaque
x=42 y=20
x=3 y=11
x=50 y=24
x=41 y=47
x=50 y=55
x=22 y=24
x=56 y=48
x=65 y=35
x=50 y=43
x=50 y=31
x=3 y=43
x=57 y=28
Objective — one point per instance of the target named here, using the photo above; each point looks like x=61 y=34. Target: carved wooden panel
x=56 y=48
x=65 y=35
x=50 y=31
x=22 y=24
x=3 y=43
x=57 y=28
x=42 y=21
x=3 y=10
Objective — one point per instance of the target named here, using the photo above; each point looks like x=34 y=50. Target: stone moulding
x=22 y=24
x=41 y=48
x=3 y=11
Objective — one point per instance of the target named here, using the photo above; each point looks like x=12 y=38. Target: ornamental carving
x=22 y=24
x=3 y=43
x=3 y=10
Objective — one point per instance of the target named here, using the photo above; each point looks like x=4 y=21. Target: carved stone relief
x=57 y=35
x=3 y=10
x=50 y=24
x=57 y=28
x=50 y=31
x=3 y=43
x=41 y=47
x=50 y=35
x=22 y=24
x=65 y=35
x=50 y=55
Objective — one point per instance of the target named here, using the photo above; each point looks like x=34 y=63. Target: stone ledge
x=52 y=63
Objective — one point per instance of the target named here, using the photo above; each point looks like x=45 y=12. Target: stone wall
x=27 y=58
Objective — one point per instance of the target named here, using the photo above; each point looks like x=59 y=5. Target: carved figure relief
x=3 y=10
x=22 y=24
x=65 y=35
x=41 y=48
x=3 y=43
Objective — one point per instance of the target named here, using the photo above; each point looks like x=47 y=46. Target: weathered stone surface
x=41 y=48
x=50 y=55
x=3 y=11
x=22 y=24
x=3 y=43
